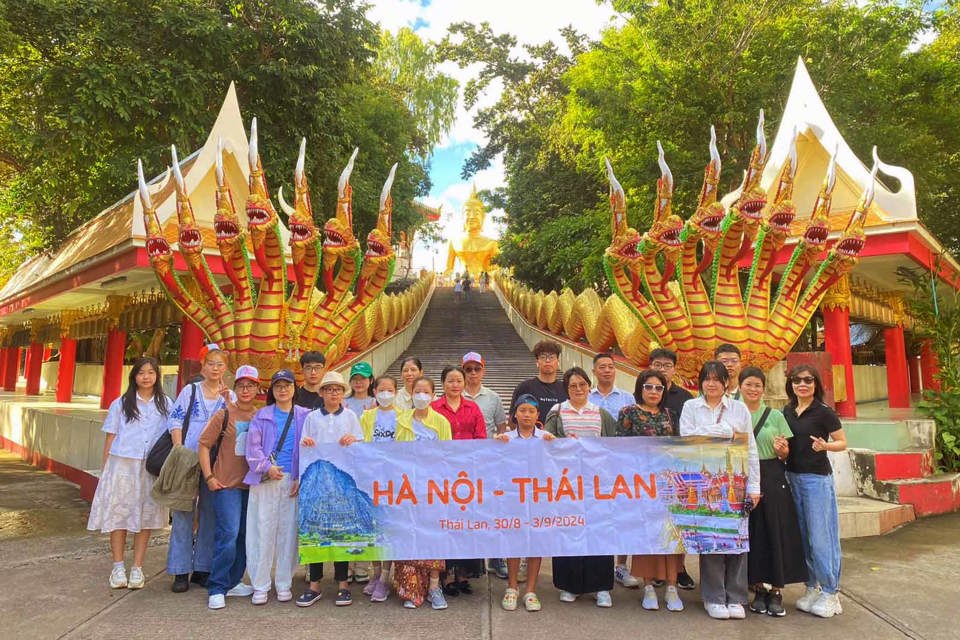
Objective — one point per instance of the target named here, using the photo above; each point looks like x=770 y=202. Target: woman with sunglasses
x=816 y=430
x=647 y=418
x=776 y=552
x=723 y=577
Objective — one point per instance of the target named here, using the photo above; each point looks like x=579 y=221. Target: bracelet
x=207 y=478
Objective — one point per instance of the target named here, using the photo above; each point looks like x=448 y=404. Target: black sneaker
x=775 y=605
x=181 y=582
x=684 y=581
x=343 y=598
x=308 y=597
x=451 y=589
x=657 y=582
x=200 y=578
x=760 y=600
x=464 y=587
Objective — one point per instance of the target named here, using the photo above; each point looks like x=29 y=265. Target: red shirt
x=466 y=423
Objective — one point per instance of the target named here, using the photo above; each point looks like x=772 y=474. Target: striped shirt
x=582 y=423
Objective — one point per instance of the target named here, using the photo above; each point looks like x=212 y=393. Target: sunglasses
x=473 y=369
x=803 y=379
x=653 y=387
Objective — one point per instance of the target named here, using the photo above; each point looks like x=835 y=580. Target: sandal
x=451 y=589
x=360 y=576
x=531 y=602
x=509 y=602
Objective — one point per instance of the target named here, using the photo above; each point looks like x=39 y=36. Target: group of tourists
x=231 y=477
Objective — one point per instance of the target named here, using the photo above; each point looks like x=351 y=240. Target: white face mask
x=385 y=398
x=421 y=400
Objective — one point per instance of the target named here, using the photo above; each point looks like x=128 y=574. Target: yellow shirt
x=404 y=432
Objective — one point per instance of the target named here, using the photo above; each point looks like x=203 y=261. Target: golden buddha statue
x=475 y=251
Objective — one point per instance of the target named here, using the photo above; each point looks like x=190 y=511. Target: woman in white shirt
x=122 y=502
x=723 y=577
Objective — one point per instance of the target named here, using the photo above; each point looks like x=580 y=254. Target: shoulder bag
x=161 y=449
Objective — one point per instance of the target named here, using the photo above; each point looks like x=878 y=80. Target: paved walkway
x=54 y=577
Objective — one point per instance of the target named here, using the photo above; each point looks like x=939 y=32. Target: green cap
x=361 y=369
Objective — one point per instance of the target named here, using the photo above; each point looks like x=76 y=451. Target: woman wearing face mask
x=417 y=581
x=410 y=369
x=816 y=430
x=380 y=425
x=466 y=423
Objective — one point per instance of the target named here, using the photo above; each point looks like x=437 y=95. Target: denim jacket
x=262 y=440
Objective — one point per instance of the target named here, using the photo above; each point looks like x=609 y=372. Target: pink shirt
x=466 y=423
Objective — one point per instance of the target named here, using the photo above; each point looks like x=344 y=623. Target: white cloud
x=532 y=22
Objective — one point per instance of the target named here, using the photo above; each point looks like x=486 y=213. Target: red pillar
x=3 y=364
x=12 y=369
x=836 y=334
x=46 y=352
x=34 y=360
x=113 y=367
x=913 y=366
x=929 y=366
x=68 y=365
x=191 y=339
x=898 y=378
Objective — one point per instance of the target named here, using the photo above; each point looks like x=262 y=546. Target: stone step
x=932 y=495
x=890 y=435
x=861 y=517
x=892 y=465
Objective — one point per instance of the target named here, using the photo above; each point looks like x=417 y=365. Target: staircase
x=451 y=328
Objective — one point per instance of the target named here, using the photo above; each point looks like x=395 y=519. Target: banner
x=491 y=499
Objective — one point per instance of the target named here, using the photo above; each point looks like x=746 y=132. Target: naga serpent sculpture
x=270 y=323
x=665 y=295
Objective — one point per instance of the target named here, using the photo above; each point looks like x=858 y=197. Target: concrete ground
x=54 y=576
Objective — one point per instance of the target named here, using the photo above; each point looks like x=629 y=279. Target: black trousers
x=340 y=571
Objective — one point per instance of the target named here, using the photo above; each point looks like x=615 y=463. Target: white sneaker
x=566 y=596
x=622 y=574
x=674 y=603
x=717 y=611
x=259 y=597
x=216 y=601
x=805 y=602
x=650 y=602
x=604 y=600
x=118 y=578
x=241 y=590
x=284 y=596
x=827 y=606
x=136 y=578
x=736 y=611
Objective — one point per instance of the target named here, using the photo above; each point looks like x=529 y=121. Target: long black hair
x=128 y=401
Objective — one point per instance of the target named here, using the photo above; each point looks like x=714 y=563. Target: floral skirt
x=123 y=501
x=412 y=578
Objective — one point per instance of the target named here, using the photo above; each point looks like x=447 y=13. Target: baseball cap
x=473 y=356
x=205 y=349
x=528 y=398
x=283 y=374
x=246 y=372
x=361 y=369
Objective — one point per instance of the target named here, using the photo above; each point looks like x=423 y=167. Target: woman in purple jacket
x=273 y=455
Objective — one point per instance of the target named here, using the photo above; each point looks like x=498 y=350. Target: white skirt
x=123 y=501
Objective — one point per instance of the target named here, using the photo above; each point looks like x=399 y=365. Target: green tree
x=88 y=87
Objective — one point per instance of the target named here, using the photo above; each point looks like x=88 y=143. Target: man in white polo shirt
x=486 y=398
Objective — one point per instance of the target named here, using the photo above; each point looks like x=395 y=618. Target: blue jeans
x=229 y=540
x=819 y=521
x=187 y=554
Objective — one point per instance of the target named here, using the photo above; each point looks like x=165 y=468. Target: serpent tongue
x=705 y=262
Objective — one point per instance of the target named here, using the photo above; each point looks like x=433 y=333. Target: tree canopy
x=88 y=87
x=887 y=72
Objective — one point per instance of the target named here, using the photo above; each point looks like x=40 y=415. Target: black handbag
x=161 y=449
x=215 y=449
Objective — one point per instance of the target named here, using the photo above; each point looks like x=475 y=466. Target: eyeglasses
x=803 y=379
x=473 y=369
x=662 y=366
x=547 y=357
x=217 y=365
x=247 y=387
x=313 y=368
x=730 y=360
x=653 y=387
x=579 y=385
x=331 y=389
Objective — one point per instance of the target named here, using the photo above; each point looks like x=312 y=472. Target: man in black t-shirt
x=547 y=387
x=307 y=395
